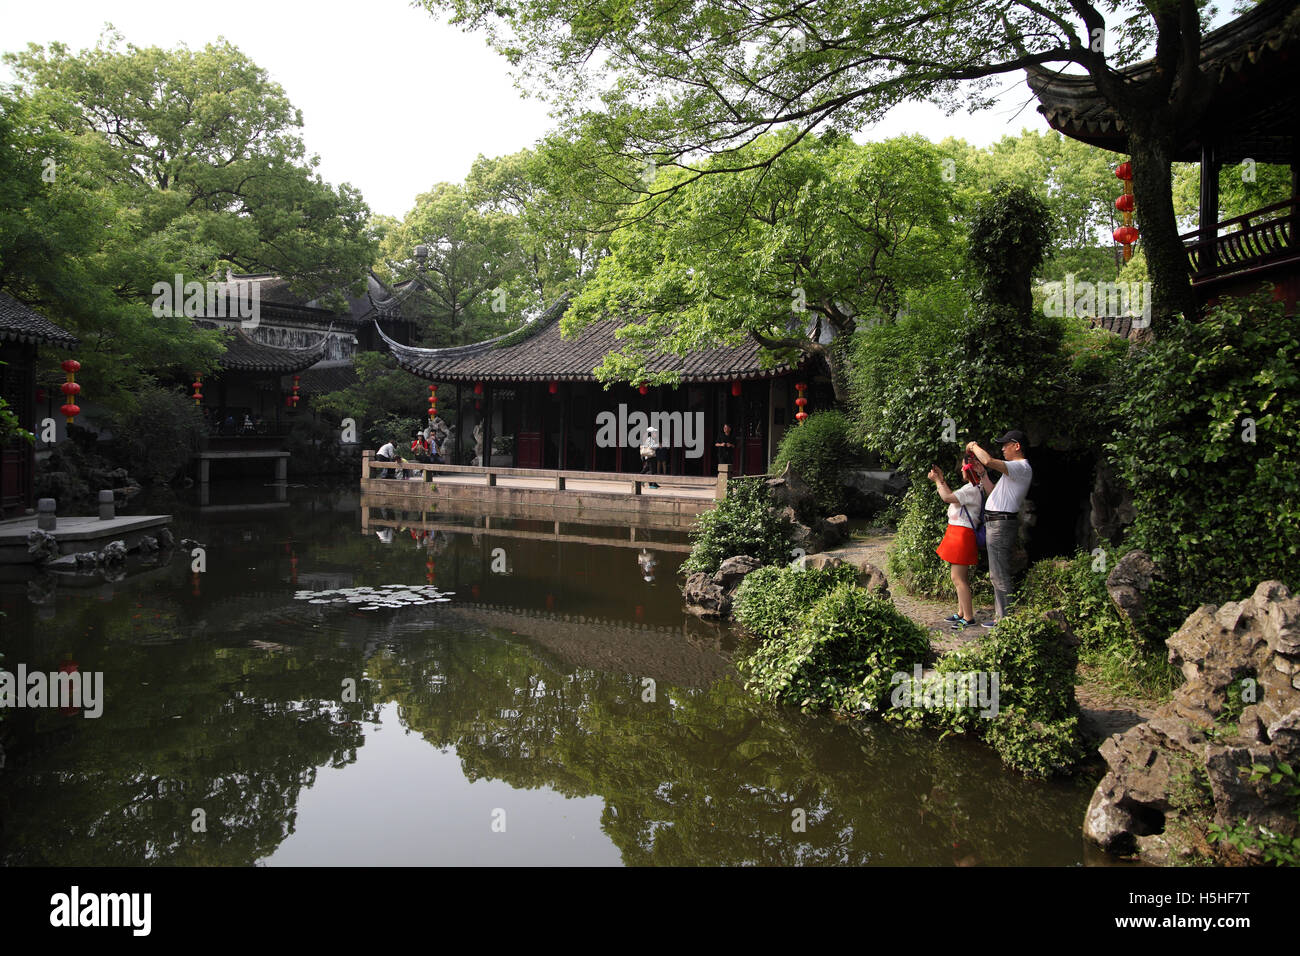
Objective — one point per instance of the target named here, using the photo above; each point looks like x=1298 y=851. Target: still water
x=558 y=708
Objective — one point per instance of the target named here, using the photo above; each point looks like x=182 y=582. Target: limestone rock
x=148 y=544
x=710 y=595
x=789 y=490
x=1217 y=649
x=835 y=530
x=42 y=546
x=870 y=577
x=1128 y=583
x=113 y=555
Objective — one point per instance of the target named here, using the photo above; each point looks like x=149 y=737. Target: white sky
x=393 y=100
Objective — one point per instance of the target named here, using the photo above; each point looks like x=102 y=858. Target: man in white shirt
x=1002 y=511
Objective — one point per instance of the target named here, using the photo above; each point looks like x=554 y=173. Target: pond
x=497 y=696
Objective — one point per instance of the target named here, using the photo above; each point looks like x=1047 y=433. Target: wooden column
x=1209 y=211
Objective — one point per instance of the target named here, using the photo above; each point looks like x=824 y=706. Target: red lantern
x=1125 y=203
x=553 y=387
x=478 y=388
x=1124 y=171
x=198 y=385
x=735 y=389
x=70 y=388
x=294 y=397
x=433 y=401
x=1127 y=235
x=644 y=389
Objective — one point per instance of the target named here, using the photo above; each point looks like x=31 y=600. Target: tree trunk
x=1151 y=147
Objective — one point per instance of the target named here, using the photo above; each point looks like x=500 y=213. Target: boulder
x=1128 y=583
x=42 y=546
x=870 y=577
x=147 y=544
x=113 y=555
x=710 y=595
x=835 y=530
x=789 y=490
x=1251 y=647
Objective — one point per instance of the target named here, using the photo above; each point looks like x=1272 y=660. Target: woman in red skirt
x=958 y=547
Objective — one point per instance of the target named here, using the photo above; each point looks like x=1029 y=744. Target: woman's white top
x=973 y=499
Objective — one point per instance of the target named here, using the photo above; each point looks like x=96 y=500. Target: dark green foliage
x=742 y=523
x=772 y=600
x=1120 y=658
x=821 y=450
x=1010 y=235
x=841 y=654
x=398 y=429
x=1036 y=729
x=158 y=436
x=1217 y=513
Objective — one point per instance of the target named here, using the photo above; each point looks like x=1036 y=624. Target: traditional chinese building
x=532 y=397
x=1253 y=118
x=22 y=333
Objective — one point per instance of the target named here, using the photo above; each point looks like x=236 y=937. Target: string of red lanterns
x=802 y=402
x=433 y=402
x=198 y=389
x=295 y=392
x=70 y=390
x=1126 y=234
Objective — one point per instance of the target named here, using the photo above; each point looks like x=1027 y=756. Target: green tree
x=675 y=80
x=833 y=235
x=126 y=166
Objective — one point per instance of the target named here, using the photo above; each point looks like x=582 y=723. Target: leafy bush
x=1209 y=427
x=158 y=436
x=841 y=654
x=771 y=601
x=397 y=429
x=821 y=450
x=1120 y=658
x=1036 y=727
x=744 y=522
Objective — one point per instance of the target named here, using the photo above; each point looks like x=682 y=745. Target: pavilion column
x=1209 y=202
x=487 y=424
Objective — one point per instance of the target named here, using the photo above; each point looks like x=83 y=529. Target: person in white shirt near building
x=1002 y=512
x=958 y=546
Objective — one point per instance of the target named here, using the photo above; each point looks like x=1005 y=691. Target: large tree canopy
x=124 y=166
x=675 y=79
x=834 y=234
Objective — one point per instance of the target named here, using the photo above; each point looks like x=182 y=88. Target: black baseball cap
x=1013 y=435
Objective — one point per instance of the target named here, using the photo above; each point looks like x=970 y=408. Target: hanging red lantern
x=294 y=403
x=1124 y=171
x=644 y=389
x=801 y=416
x=198 y=386
x=1126 y=235
x=735 y=389
x=478 y=388
x=553 y=387
x=433 y=401
x=70 y=389
x=1125 y=203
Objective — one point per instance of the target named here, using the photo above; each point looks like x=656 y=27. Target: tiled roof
x=331 y=378
x=278 y=298
x=538 y=353
x=19 y=323
x=1261 y=45
x=1121 y=325
x=245 y=355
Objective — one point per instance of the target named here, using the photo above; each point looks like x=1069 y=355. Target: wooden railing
x=1258 y=238
x=558 y=479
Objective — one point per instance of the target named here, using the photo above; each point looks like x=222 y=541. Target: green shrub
x=771 y=601
x=1209 y=427
x=841 y=654
x=1036 y=727
x=821 y=450
x=159 y=435
x=397 y=429
x=1120 y=658
x=745 y=522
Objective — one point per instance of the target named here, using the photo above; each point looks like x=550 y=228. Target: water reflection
x=561 y=685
